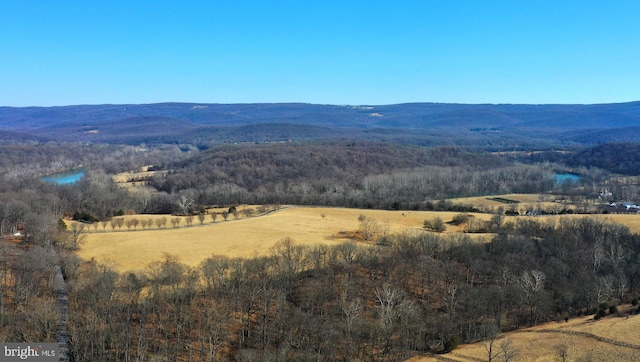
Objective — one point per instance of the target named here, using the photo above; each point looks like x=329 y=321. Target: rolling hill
x=418 y=123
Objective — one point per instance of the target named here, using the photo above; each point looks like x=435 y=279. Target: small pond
x=65 y=177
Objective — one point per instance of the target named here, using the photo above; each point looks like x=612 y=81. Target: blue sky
x=328 y=52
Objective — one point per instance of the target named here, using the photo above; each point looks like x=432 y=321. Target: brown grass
x=245 y=237
x=543 y=343
x=486 y=202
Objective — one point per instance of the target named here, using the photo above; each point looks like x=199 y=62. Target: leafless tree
x=248 y=212
x=120 y=223
x=77 y=235
x=290 y=259
x=508 y=351
x=490 y=333
x=368 y=227
x=175 y=221
x=185 y=201
x=532 y=284
x=436 y=224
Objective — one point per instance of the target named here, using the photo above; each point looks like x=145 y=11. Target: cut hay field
x=581 y=339
x=244 y=237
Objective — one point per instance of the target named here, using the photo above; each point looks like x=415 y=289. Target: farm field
x=630 y=220
x=129 y=249
x=244 y=237
x=547 y=202
x=545 y=342
x=134 y=180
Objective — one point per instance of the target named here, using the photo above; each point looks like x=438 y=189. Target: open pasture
x=242 y=237
x=134 y=248
x=486 y=202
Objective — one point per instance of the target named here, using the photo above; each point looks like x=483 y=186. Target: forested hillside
x=376 y=298
x=495 y=126
x=369 y=175
x=413 y=294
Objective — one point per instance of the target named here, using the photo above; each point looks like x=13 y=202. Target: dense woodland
x=391 y=298
x=620 y=158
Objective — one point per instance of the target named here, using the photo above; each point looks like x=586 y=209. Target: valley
x=307 y=232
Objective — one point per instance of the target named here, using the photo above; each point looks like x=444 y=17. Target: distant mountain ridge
x=180 y=122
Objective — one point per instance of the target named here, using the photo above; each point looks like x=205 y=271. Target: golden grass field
x=244 y=237
x=546 y=202
x=544 y=342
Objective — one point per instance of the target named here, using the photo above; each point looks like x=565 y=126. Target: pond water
x=566 y=177
x=65 y=177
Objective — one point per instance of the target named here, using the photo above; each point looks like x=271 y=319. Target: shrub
x=451 y=344
x=436 y=224
x=84 y=216
x=613 y=309
x=460 y=219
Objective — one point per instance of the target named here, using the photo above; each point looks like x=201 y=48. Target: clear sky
x=329 y=52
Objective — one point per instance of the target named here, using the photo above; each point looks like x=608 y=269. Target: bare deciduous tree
x=77 y=235
x=368 y=227
x=508 y=351
x=490 y=333
x=120 y=223
x=436 y=224
x=175 y=221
